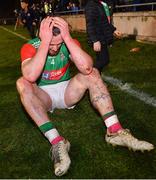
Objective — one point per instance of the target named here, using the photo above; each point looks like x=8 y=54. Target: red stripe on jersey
x=77 y=42
x=27 y=51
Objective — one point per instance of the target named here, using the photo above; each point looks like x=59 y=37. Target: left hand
x=63 y=26
x=117 y=34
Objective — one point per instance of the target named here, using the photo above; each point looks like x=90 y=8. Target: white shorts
x=56 y=93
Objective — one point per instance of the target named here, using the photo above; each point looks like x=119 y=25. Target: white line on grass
x=146 y=98
x=16 y=34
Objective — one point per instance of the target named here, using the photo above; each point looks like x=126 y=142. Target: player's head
x=56 y=41
x=56 y=31
x=24 y=3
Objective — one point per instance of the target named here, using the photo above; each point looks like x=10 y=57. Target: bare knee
x=95 y=74
x=23 y=86
x=94 y=77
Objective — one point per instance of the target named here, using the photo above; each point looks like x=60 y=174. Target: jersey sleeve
x=27 y=52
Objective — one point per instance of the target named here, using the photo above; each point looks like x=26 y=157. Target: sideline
x=146 y=98
x=14 y=33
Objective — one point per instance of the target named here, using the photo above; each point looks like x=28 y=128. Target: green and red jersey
x=106 y=9
x=56 y=68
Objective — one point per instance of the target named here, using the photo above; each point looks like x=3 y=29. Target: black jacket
x=29 y=17
x=98 y=27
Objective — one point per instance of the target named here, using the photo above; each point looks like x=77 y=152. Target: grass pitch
x=23 y=149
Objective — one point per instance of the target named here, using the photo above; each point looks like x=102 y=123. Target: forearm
x=32 y=69
x=81 y=59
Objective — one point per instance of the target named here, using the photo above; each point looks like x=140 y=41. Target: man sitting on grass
x=46 y=85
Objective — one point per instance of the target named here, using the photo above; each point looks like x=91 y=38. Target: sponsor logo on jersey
x=55 y=74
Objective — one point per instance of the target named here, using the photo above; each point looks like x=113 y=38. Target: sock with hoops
x=112 y=122
x=50 y=133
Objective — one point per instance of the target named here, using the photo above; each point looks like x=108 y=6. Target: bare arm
x=81 y=59
x=32 y=69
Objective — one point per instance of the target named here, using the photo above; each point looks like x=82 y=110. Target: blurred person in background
x=18 y=20
x=74 y=8
x=69 y=6
x=100 y=31
x=28 y=17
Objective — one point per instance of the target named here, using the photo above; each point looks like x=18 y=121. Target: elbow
x=89 y=67
x=88 y=70
x=29 y=77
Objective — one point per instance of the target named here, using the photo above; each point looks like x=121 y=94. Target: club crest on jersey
x=62 y=56
x=45 y=75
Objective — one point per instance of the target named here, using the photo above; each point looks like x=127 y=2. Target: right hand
x=46 y=27
x=117 y=34
x=97 y=46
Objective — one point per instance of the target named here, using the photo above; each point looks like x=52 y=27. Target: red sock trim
x=115 y=128
x=57 y=140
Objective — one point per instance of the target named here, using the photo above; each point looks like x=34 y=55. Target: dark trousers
x=102 y=58
x=31 y=30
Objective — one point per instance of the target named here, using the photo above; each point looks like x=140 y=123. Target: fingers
x=46 y=27
x=59 y=22
x=63 y=26
x=47 y=23
x=51 y=25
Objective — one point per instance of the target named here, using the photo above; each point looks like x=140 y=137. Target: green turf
x=23 y=149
